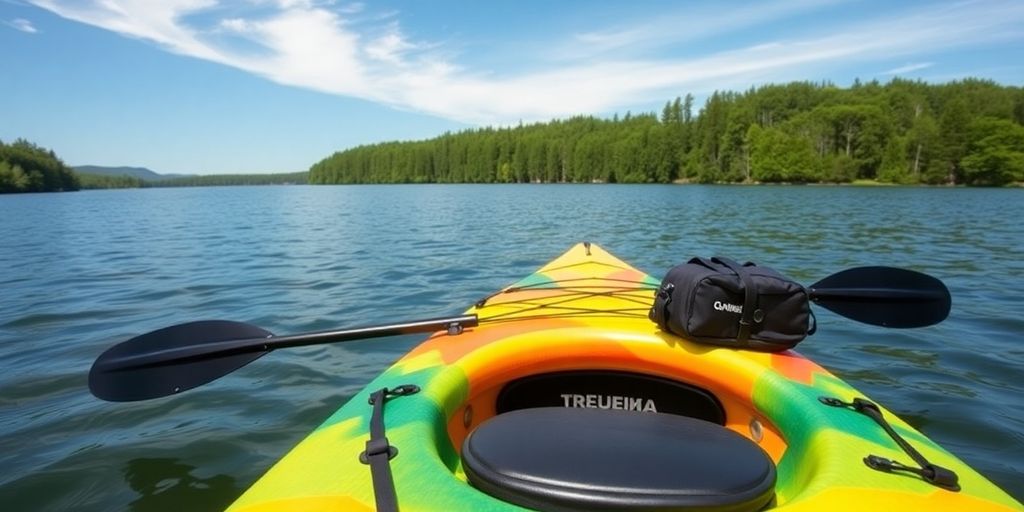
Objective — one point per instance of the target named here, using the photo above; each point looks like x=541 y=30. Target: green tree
x=953 y=143
x=780 y=157
x=995 y=153
x=1018 y=106
x=922 y=142
x=903 y=131
x=30 y=168
x=737 y=150
x=894 y=167
x=12 y=178
x=861 y=131
x=710 y=127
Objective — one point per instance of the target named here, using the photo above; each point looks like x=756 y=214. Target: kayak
x=559 y=393
x=575 y=400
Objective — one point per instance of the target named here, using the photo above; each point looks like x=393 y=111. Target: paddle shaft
x=201 y=351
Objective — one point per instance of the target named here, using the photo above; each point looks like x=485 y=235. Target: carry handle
x=747 y=316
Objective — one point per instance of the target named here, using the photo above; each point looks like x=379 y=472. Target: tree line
x=963 y=132
x=100 y=181
x=216 y=180
x=93 y=181
x=26 y=167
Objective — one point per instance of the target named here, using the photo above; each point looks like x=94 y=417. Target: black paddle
x=885 y=296
x=181 y=357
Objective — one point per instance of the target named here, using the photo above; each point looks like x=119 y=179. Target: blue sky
x=208 y=86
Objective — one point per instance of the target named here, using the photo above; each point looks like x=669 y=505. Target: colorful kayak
x=581 y=321
x=558 y=393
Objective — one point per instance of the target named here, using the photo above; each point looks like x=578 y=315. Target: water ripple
x=87 y=270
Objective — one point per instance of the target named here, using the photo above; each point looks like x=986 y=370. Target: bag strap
x=749 y=296
x=659 y=313
x=659 y=309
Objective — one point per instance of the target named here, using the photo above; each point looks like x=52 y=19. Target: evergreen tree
x=894 y=163
x=953 y=134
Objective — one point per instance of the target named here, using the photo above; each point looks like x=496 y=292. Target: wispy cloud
x=352 y=8
x=691 y=24
x=236 y=25
x=909 y=68
x=391 y=47
x=344 y=50
x=22 y=25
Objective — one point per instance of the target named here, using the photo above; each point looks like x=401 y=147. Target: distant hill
x=135 y=172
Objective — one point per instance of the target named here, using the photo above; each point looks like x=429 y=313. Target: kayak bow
x=575 y=336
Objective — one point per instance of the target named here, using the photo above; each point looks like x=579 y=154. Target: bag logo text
x=725 y=306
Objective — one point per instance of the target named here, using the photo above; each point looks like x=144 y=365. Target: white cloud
x=390 y=47
x=236 y=25
x=23 y=25
x=908 y=68
x=318 y=46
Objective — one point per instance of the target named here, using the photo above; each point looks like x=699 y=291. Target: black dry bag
x=721 y=302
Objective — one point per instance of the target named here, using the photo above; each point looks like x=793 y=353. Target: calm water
x=82 y=271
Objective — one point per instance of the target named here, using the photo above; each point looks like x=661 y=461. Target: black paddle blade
x=885 y=296
x=115 y=377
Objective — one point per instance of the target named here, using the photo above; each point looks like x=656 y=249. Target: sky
x=255 y=86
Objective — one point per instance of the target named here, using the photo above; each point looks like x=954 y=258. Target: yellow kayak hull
x=587 y=310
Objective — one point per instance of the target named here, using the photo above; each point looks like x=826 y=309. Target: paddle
x=884 y=296
x=181 y=357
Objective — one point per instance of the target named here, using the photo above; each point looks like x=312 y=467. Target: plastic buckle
x=941 y=477
x=377 y=447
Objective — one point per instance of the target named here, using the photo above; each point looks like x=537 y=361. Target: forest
x=90 y=181
x=26 y=167
x=966 y=132
x=94 y=181
x=217 y=180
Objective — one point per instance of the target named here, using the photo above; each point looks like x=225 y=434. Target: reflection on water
x=922 y=358
x=166 y=484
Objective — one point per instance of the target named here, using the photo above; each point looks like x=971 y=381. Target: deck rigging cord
x=640 y=294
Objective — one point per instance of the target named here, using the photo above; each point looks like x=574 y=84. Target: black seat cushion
x=561 y=459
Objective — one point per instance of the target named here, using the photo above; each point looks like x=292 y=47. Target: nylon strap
x=931 y=473
x=379 y=452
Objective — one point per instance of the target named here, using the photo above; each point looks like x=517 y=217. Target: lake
x=82 y=271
